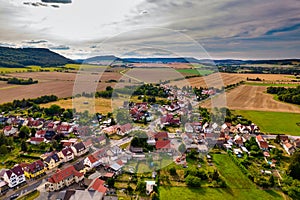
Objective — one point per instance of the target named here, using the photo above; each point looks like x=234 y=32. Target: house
x=50 y=134
x=64 y=128
x=239 y=140
x=114 y=151
x=36 y=140
x=288 y=147
x=262 y=143
x=91 y=162
x=9 y=130
x=79 y=149
x=3 y=187
x=161 y=136
x=188 y=128
x=66 y=154
x=40 y=133
x=163 y=146
x=62 y=178
x=123 y=129
x=168 y=120
x=149 y=187
x=14 y=176
x=79 y=166
x=116 y=168
x=52 y=161
x=297 y=143
x=97 y=185
x=83 y=194
x=88 y=144
x=34 y=169
x=102 y=139
x=37 y=124
x=109 y=130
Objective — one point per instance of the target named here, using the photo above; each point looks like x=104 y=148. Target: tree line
x=26 y=103
x=289 y=95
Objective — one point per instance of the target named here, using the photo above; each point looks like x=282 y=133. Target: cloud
x=227 y=28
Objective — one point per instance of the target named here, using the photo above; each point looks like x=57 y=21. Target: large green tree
x=24 y=132
x=294 y=167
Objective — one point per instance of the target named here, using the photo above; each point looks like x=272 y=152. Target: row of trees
x=18 y=81
x=289 y=95
x=26 y=103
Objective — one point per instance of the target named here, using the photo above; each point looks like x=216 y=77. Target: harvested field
x=81 y=104
x=228 y=78
x=247 y=97
x=57 y=83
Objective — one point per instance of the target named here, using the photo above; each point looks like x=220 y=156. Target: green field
x=239 y=186
x=4 y=70
x=273 y=122
x=195 y=71
x=272 y=84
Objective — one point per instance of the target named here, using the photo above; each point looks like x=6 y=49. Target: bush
x=193 y=181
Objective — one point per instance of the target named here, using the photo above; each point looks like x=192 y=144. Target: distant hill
x=57 y=1
x=113 y=59
x=21 y=57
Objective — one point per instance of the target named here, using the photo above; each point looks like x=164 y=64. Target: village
x=90 y=158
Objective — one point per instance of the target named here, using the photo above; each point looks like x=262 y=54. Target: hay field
x=60 y=84
x=81 y=104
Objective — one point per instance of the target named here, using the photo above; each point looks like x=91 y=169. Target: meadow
x=189 y=72
x=239 y=186
x=273 y=122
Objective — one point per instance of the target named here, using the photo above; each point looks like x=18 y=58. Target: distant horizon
x=243 y=30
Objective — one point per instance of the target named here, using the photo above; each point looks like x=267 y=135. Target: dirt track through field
x=246 y=97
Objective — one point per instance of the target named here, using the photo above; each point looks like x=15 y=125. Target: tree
x=141 y=187
x=182 y=148
x=53 y=110
x=129 y=189
x=23 y=146
x=3 y=149
x=111 y=182
x=271 y=180
x=24 y=132
x=193 y=181
x=154 y=196
x=172 y=171
x=294 y=167
x=33 y=132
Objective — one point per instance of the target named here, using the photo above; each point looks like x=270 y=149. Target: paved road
x=29 y=187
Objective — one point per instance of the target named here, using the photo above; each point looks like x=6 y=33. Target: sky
x=227 y=29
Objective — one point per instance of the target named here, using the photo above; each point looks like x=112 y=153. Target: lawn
x=239 y=186
x=273 y=122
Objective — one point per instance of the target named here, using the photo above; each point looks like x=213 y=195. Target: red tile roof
x=36 y=139
x=98 y=186
x=63 y=174
x=67 y=151
x=163 y=144
x=264 y=144
x=92 y=159
x=161 y=135
x=34 y=167
x=7 y=128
